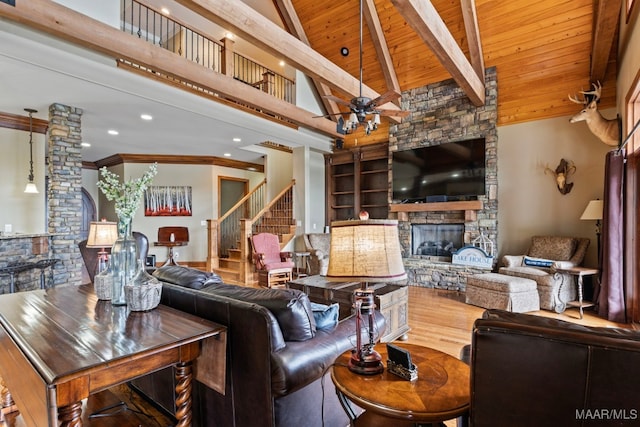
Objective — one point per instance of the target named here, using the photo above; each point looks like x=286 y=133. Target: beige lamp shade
x=593 y=211
x=365 y=251
x=102 y=234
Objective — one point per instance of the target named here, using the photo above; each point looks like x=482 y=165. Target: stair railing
x=224 y=232
x=282 y=206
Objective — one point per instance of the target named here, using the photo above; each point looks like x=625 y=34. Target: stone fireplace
x=442 y=113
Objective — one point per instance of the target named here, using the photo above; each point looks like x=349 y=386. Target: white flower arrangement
x=128 y=194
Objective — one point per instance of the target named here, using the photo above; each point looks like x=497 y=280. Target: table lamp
x=593 y=211
x=102 y=234
x=365 y=251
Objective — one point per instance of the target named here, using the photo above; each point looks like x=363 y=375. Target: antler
x=597 y=89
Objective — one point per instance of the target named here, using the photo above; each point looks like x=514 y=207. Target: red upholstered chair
x=274 y=267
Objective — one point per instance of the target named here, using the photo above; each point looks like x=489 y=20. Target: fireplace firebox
x=436 y=240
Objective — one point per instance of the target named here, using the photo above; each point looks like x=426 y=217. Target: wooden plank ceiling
x=541 y=50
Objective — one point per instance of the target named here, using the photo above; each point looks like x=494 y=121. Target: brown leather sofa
x=277 y=367
x=534 y=371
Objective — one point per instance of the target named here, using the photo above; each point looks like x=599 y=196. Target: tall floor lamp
x=365 y=251
x=593 y=211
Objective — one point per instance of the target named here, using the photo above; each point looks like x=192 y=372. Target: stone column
x=65 y=192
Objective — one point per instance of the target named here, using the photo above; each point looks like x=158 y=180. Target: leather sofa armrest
x=512 y=260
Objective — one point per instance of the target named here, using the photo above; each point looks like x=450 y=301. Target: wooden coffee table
x=392 y=301
x=440 y=393
x=60 y=345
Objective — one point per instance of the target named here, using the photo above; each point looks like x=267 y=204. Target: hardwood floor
x=438 y=319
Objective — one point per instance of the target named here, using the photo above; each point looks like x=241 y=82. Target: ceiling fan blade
x=388 y=96
x=393 y=113
x=338 y=100
x=330 y=115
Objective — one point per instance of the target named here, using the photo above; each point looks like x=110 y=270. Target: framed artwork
x=167 y=201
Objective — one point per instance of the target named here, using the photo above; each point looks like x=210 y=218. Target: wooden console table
x=60 y=345
x=391 y=300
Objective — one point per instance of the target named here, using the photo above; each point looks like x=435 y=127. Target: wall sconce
x=31 y=186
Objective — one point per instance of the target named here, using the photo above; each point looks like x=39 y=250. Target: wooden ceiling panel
x=541 y=50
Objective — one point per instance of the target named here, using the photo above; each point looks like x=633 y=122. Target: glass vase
x=103 y=283
x=123 y=261
x=143 y=291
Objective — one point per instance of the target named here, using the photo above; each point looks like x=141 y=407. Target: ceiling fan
x=362 y=106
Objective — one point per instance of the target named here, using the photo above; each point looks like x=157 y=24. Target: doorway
x=230 y=191
x=88 y=214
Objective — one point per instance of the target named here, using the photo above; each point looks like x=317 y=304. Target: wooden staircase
x=230 y=254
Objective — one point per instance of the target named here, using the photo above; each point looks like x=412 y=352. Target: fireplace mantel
x=470 y=208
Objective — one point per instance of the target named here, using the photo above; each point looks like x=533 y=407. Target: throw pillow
x=326 y=316
x=537 y=262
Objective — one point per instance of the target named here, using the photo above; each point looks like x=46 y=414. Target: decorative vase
x=123 y=261
x=143 y=291
x=103 y=283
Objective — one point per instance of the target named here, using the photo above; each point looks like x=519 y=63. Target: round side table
x=440 y=393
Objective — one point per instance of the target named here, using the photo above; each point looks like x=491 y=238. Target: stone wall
x=442 y=113
x=65 y=191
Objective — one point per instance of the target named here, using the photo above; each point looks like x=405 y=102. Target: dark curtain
x=611 y=293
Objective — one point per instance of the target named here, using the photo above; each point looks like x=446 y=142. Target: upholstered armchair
x=317 y=245
x=545 y=255
x=274 y=267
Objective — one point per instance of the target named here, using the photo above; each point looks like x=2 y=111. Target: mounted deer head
x=607 y=130
x=562 y=172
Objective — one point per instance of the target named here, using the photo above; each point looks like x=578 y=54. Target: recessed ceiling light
x=237 y=139
x=227 y=154
x=146 y=116
x=165 y=11
x=282 y=63
x=229 y=35
x=113 y=132
x=251 y=168
x=85 y=144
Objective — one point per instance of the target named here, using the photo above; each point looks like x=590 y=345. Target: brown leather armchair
x=536 y=371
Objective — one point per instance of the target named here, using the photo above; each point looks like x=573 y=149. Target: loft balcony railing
x=160 y=30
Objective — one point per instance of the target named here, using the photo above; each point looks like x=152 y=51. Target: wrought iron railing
x=158 y=29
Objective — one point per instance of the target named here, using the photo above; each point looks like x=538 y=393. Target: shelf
x=470 y=207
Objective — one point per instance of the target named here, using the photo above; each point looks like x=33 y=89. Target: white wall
x=24 y=212
x=203 y=180
x=528 y=200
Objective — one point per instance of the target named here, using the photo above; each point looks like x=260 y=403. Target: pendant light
x=31 y=186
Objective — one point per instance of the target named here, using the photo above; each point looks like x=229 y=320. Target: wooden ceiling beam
x=250 y=25
x=470 y=18
x=426 y=22
x=81 y=30
x=604 y=31
x=292 y=23
x=380 y=43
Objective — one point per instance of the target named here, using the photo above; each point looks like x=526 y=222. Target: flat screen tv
x=444 y=172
